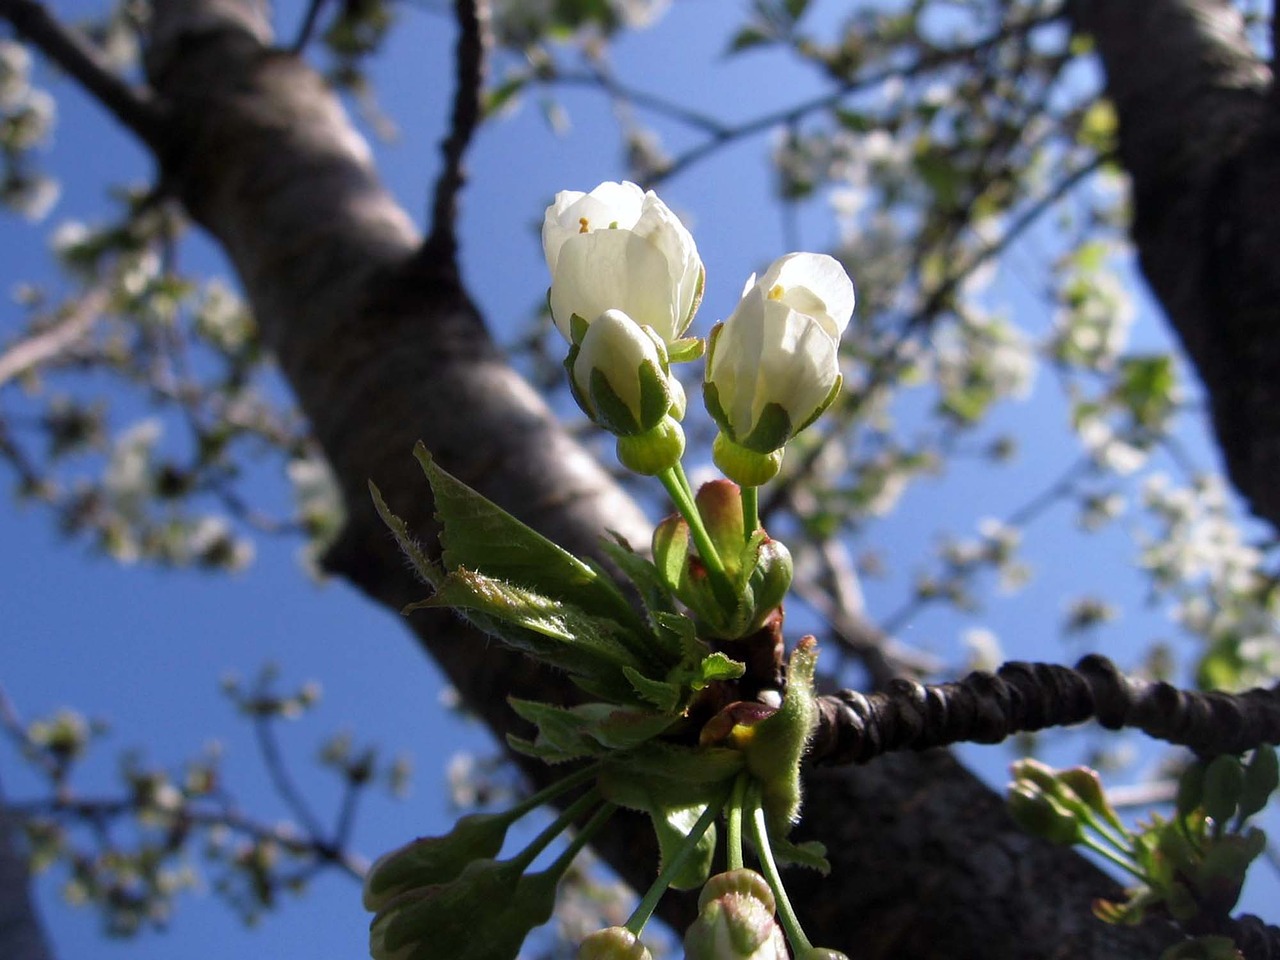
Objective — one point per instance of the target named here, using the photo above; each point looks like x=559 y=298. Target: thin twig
x=469 y=65
x=135 y=107
x=933 y=60
x=280 y=778
x=46 y=344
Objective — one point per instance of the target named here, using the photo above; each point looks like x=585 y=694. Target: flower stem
x=733 y=833
x=1107 y=853
x=547 y=794
x=750 y=510
x=582 y=838
x=557 y=827
x=644 y=909
x=678 y=489
x=786 y=914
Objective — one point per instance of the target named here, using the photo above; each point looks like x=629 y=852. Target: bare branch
x=45 y=345
x=469 y=64
x=136 y=108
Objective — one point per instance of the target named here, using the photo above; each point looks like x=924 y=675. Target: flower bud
x=430 y=860
x=619 y=376
x=648 y=454
x=735 y=921
x=770 y=372
x=1042 y=816
x=771 y=578
x=613 y=943
x=619 y=247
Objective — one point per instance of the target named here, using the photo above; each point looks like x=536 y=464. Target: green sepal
x=478 y=534
x=696 y=302
x=822 y=407
x=432 y=860
x=1043 y=815
x=1085 y=784
x=577 y=326
x=686 y=349
x=711 y=400
x=771 y=431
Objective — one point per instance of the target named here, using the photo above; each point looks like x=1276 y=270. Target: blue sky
x=146 y=649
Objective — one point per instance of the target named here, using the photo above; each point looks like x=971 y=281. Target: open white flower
x=620 y=248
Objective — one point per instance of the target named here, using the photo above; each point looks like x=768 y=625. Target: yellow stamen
x=777 y=292
x=584 y=225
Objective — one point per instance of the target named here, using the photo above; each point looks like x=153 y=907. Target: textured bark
x=383 y=349
x=1200 y=137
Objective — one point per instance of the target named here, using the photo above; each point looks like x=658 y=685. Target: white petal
x=814 y=284
x=613 y=269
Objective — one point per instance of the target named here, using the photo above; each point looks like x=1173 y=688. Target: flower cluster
x=695 y=714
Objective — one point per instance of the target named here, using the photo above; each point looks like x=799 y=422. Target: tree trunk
x=21 y=935
x=1200 y=138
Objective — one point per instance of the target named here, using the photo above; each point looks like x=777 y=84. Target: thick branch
x=74 y=53
x=990 y=708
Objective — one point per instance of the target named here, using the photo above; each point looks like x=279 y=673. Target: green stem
x=1108 y=854
x=750 y=510
x=786 y=914
x=558 y=826
x=582 y=838
x=644 y=909
x=547 y=794
x=733 y=834
x=678 y=489
x=1106 y=831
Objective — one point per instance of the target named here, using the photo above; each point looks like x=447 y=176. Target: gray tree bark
x=1200 y=139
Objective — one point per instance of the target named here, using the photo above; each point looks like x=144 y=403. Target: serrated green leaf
x=480 y=535
x=662 y=694
x=552 y=631
x=811 y=854
x=672 y=818
x=426 y=569
x=560 y=732
x=719 y=666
